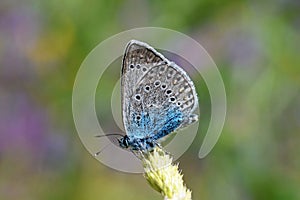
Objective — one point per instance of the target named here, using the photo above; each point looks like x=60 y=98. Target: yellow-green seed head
x=164 y=176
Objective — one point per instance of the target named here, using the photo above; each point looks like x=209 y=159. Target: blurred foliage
x=256 y=46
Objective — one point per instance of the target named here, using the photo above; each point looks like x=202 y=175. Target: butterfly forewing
x=156 y=93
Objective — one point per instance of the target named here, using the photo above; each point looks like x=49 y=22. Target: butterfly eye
x=178 y=103
x=137 y=97
x=131 y=66
x=138 y=117
x=138 y=66
x=163 y=86
x=125 y=143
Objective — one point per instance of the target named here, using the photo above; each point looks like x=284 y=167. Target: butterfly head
x=124 y=142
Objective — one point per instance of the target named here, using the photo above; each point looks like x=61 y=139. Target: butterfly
x=158 y=97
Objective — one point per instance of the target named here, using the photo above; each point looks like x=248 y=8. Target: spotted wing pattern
x=157 y=95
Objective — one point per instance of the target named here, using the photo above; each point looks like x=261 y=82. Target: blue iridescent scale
x=158 y=97
x=143 y=133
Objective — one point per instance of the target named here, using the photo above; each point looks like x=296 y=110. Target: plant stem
x=164 y=176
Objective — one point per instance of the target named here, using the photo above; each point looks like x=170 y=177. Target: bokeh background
x=254 y=44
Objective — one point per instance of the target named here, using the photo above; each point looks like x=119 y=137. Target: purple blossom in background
x=22 y=124
x=26 y=130
x=19 y=28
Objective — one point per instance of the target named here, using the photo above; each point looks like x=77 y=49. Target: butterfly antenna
x=97 y=153
x=110 y=134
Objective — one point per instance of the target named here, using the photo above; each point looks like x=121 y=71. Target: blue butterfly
x=158 y=97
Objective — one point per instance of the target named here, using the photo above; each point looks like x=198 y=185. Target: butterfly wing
x=157 y=95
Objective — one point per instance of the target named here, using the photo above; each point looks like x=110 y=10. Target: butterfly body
x=158 y=97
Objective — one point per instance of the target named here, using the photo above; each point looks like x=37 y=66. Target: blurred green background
x=256 y=46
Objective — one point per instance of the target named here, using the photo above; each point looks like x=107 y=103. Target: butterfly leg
x=162 y=149
x=158 y=145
